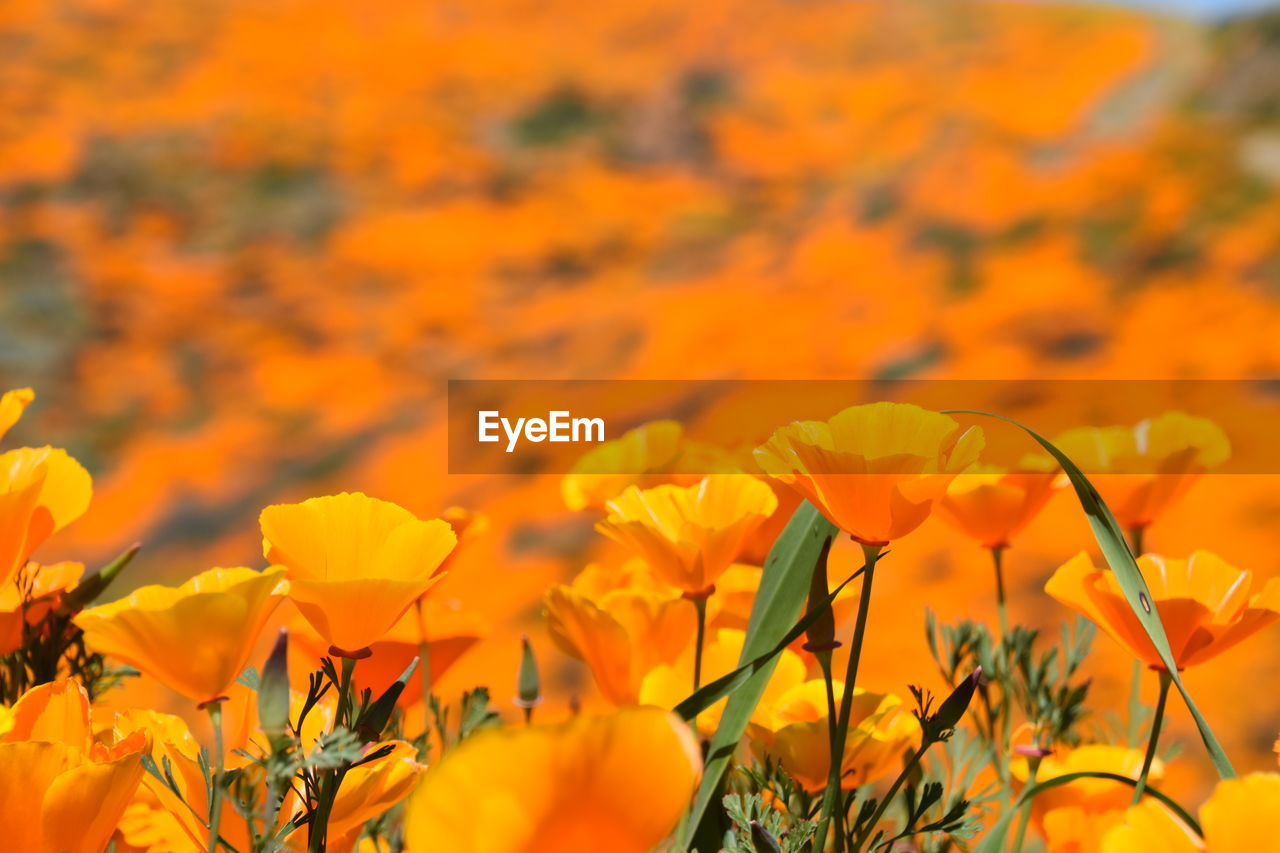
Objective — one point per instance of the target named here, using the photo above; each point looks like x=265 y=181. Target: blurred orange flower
x=356 y=563
x=42 y=490
x=618 y=782
x=605 y=471
x=690 y=534
x=195 y=638
x=30 y=596
x=1204 y=603
x=1241 y=814
x=875 y=470
x=1141 y=471
x=794 y=732
x=619 y=627
x=991 y=505
x=1073 y=817
x=60 y=790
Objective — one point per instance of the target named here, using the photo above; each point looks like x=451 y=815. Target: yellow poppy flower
x=1074 y=817
x=669 y=684
x=991 y=505
x=1204 y=603
x=1141 y=471
x=690 y=534
x=159 y=819
x=42 y=490
x=356 y=563
x=620 y=629
x=793 y=731
x=875 y=470
x=650 y=455
x=369 y=789
x=60 y=790
x=618 y=782
x=195 y=638
x=12 y=405
x=1242 y=814
x=44 y=586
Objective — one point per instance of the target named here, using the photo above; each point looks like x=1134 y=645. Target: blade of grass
x=784 y=586
x=1121 y=560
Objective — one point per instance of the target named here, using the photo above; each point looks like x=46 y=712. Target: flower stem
x=424 y=672
x=833 y=737
x=1033 y=767
x=700 y=604
x=1154 y=740
x=870 y=826
x=332 y=779
x=997 y=560
x=215 y=789
x=1136 y=537
x=832 y=798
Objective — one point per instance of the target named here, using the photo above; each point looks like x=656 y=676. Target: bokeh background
x=244 y=243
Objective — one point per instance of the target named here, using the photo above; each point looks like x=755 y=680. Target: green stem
x=870 y=825
x=997 y=560
x=832 y=798
x=700 y=604
x=1033 y=765
x=833 y=738
x=332 y=779
x=1154 y=740
x=215 y=789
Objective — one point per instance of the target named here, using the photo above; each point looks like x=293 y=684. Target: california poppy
x=1205 y=604
x=1141 y=471
x=620 y=629
x=875 y=471
x=42 y=490
x=1241 y=814
x=62 y=791
x=12 y=405
x=690 y=534
x=992 y=505
x=194 y=638
x=794 y=731
x=356 y=563
x=616 y=782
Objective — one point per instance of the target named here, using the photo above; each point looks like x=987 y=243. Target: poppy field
x=1020 y=572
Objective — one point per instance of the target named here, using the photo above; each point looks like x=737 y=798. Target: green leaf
x=784 y=586
x=994 y=841
x=1121 y=560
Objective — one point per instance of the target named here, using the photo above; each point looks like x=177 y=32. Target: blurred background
x=244 y=243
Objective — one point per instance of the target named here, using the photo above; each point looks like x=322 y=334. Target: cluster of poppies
x=333 y=762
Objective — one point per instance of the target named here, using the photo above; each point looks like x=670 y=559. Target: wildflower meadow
x=752 y=426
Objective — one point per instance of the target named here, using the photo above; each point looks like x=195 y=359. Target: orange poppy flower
x=991 y=505
x=356 y=563
x=794 y=732
x=12 y=405
x=195 y=638
x=1204 y=603
x=1141 y=471
x=42 y=490
x=1073 y=817
x=690 y=534
x=60 y=790
x=875 y=471
x=618 y=782
x=620 y=624
x=29 y=597
x=1241 y=814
